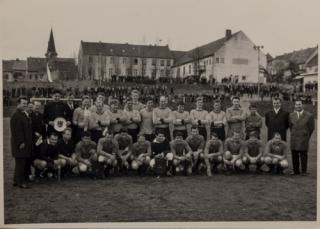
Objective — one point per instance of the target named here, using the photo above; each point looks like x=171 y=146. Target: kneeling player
x=124 y=141
x=47 y=158
x=252 y=154
x=66 y=151
x=141 y=152
x=181 y=154
x=85 y=153
x=233 y=148
x=213 y=153
x=161 y=158
x=107 y=151
x=275 y=155
x=196 y=142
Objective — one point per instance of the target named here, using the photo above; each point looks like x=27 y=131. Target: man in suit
x=277 y=120
x=301 y=125
x=21 y=142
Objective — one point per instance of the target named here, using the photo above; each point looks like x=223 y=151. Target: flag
x=49 y=74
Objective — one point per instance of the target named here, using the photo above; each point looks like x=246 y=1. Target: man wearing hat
x=162 y=117
x=56 y=109
x=181 y=119
x=199 y=118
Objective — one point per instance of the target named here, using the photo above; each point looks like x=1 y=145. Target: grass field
x=242 y=197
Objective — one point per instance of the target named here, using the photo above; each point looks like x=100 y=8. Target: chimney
x=228 y=34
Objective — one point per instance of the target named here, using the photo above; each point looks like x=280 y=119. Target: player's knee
x=152 y=163
x=228 y=155
x=219 y=158
x=175 y=162
x=238 y=163
x=267 y=160
x=83 y=168
x=147 y=160
x=169 y=156
x=134 y=165
x=284 y=164
x=275 y=161
x=101 y=158
x=63 y=162
x=245 y=160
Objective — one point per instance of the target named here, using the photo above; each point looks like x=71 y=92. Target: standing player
x=233 y=154
x=181 y=154
x=275 y=154
x=253 y=151
x=217 y=120
x=116 y=116
x=100 y=97
x=136 y=105
x=162 y=117
x=124 y=141
x=108 y=151
x=213 y=153
x=253 y=122
x=146 y=127
x=97 y=122
x=80 y=116
x=133 y=120
x=199 y=118
x=196 y=142
x=141 y=153
x=180 y=119
x=85 y=153
x=235 y=116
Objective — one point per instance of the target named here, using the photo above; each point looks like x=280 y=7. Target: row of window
x=125 y=60
x=135 y=72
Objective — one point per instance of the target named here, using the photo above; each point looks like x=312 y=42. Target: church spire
x=51 y=51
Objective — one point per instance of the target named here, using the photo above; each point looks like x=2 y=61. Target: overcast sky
x=280 y=25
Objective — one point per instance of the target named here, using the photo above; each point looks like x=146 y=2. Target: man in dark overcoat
x=277 y=120
x=21 y=142
x=301 y=127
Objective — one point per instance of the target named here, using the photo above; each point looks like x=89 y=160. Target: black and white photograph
x=139 y=111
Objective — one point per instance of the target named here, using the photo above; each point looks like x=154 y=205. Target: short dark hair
x=252 y=106
x=160 y=132
x=86 y=134
x=276 y=98
x=56 y=91
x=235 y=97
x=298 y=100
x=213 y=134
x=252 y=133
x=21 y=98
x=54 y=134
x=68 y=129
x=194 y=127
x=276 y=133
x=178 y=134
x=217 y=101
x=124 y=129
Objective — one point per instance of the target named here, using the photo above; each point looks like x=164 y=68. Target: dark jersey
x=160 y=147
x=109 y=146
x=214 y=146
x=66 y=148
x=195 y=142
x=84 y=150
x=124 y=140
x=47 y=152
x=140 y=148
x=277 y=148
x=253 y=147
x=233 y=146
x=180 y=147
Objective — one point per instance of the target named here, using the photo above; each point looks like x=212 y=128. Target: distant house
x=232 y=57
x=310 y=76
x=290 y=64
x=13 y=70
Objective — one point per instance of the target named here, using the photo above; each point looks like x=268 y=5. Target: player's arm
x=168 y=120
x=230 y=118
x=206 y=120
x=193 y=118
x=75 y=117
x=122 y=116
x=285 y=150
x=268 y=149
x=155 y=118
x=173 y=150
x=100 y=149
x=78 y=152
x=106 y=119
x=148 y=150
x=260 y=150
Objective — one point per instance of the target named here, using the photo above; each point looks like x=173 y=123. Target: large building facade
x=102 y=61
x=233 y=58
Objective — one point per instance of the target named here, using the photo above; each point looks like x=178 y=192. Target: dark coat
x=21 y=132
x=277 y=123
x=301 y=130
x=53 y=110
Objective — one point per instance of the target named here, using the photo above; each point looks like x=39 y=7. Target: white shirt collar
x=276 y=110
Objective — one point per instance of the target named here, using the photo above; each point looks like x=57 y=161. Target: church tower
x=51 y=51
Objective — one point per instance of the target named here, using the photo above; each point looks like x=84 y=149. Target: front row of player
x=116 y=154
